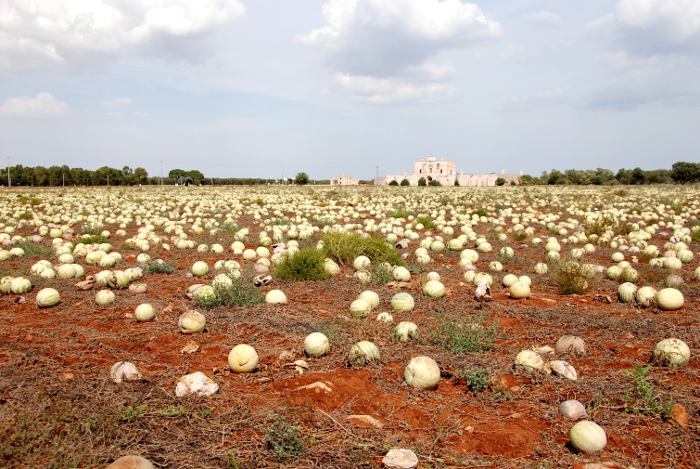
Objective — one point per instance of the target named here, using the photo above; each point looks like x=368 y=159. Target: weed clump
x=382 y=275
x=472 y=336
x=427 y=223
x=643 y=398
x=477 y=380
x=345 y=247
x=240 y=292
x=574 y=277
x=34 y=249
x=283 y=438
x=306 y=264
x=94 y=239
x=159 y=266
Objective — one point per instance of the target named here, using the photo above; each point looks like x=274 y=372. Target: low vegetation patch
x=345 y=247
x=465 y=337
x=427 y=223
x=159 y=266
x=34 y=249
x=306 y=264
x=477 y=380
x=91 y=229
x=574 y=277
x=242 y=292
x=643 y=398
x=382 y=275
x=283 y=438
x=94 y=239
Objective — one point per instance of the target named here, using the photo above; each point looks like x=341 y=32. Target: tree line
x=681 y=172
x=56 y=176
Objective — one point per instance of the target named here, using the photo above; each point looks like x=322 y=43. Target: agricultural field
x=332 y=326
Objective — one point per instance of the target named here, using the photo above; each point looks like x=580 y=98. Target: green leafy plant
x=477 y=380
x=91 y=229
x=427 y=222
x=241 y=292
x=470 y=336
x=283 y=438
x=159 y=266
x=574 y=277
x=382 y=275
x=306 y=264
x=93 y=239
x=34 y=249
x=644 y=399
x=345 y=247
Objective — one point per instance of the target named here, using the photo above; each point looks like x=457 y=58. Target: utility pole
x=9 y=180
x=107 y=179
x=64 y=179
x=161 y=172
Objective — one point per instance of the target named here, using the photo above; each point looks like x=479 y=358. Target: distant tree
x=394 y=182
x=456 y=182
x=405 y=182
x=422 y=182
x=500 y=182
x=683 y=172
x=513 y=183
x=624 y=176
x=435 y=183
x=637 y=176
x=555 y=177
x=301 y=179
x=527 y=180
x=140 y=176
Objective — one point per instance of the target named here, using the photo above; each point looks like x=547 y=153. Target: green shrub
x=382 y=275
x=481 y=212
x=472 y=336
x=643 y=398
x=401 y=213
x=93 y=239
x=158 y=266
x=394 y=183
x=574 y=277
x=345 y=247
x=477 y=380
x=405 y=182
x=306 y=264
x=241 y=293
x=283 y=438
x=91 y=229
x=427 y=223
x=34 y=249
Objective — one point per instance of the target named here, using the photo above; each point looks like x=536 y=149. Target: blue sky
x=266 y=88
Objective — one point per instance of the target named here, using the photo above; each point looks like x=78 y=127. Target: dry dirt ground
x=59 y=409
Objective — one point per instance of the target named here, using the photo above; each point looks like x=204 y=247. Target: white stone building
x=344 y=180
x=444 y=172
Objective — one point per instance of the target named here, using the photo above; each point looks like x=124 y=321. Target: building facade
x=344 y=180
x=445 y=173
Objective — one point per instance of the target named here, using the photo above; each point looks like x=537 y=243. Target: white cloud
x=654 y=53
x=544 y=18
x=374 y=42
x=118 y=102
x=536 y=101
x=649 y=27
x=36 y=33
x=384 y=91
x=41 y=106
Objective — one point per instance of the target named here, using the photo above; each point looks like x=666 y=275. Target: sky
x=269 y=88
